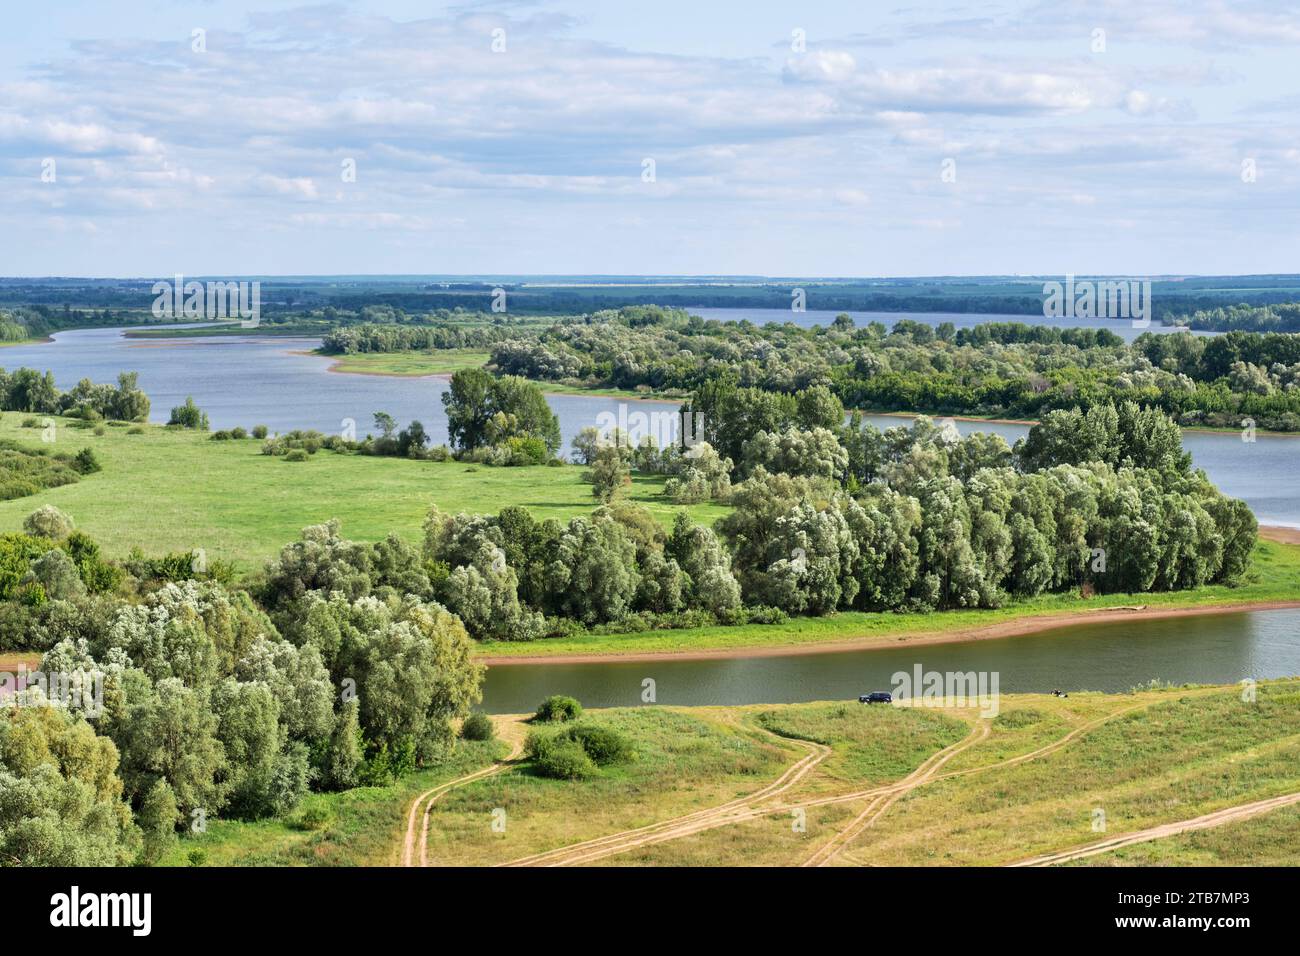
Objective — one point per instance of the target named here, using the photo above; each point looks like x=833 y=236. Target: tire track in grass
x=1204 y=822
x=511 y=731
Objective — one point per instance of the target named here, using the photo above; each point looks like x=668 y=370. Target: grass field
x=170 y=490
x=1271 y=839
x=409 y=364
x=1032 y=785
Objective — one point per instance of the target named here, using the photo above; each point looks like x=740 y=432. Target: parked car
x=877 y=697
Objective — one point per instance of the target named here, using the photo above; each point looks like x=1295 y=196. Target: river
x=1217 y=649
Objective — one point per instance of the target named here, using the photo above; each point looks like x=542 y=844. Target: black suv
x=876 y=697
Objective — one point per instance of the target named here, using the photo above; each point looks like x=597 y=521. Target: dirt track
x=511 y=731
x=1216 y=819
x=671 y=829
x=878 y=806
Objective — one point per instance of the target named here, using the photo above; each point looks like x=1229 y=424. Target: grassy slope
x=1180 y=753
x=168 y=490
x=1270 y=839
x=1187 y=754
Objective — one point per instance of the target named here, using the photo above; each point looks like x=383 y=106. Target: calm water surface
x=267 y=380
x=1215 y=649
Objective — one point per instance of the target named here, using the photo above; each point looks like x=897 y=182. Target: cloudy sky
x=147 y=137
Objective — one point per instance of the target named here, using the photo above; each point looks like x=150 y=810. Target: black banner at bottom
x=919 y=905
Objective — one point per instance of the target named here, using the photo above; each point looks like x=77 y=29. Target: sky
x=863 y=138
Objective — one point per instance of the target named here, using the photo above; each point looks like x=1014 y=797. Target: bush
x=86 y=463
x=189 y=415
x=478 y=726
x=297 y=454
x=238 y=434
x=564 y=760
x=48 y=522
x=100 y=430
x=604 y=745
x=135 y=430
x=315 y=817
x=221 y=436
x=558 y=708
x=259 y=431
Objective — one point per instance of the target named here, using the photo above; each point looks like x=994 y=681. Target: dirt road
x=879 y=805
x=510 y=730
x=1216 y=819
x=669 y=829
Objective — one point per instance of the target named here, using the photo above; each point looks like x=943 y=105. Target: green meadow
x=168 y=490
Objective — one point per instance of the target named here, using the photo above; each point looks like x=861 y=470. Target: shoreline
x=1027 y=625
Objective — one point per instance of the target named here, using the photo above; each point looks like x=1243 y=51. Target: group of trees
x=511 y=577
x=27 y=390
x=334 y=668
x=350 y=339
x=828 y=516
x=948 y=522
x=501 y=419
x=1282 y=317
x=991 y=369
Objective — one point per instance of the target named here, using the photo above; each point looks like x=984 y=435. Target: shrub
x=238 y=434
x=100 y=430
x=259 y=431
x=135 y=430
x=558 y=708
x=604 y=745
x=296 y=454
x=189 y=415
x=564 y=760
x=478 y=726
x=86 y=463
x=48 y=522
x=315 y=817
x=221 y=436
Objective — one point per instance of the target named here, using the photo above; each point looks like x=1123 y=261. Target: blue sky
x=934 y=139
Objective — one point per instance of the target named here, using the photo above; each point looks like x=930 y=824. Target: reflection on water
x=1212 y=649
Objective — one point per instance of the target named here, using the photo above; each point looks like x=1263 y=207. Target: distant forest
x=1204 y=302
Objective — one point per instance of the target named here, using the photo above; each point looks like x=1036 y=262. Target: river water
x=1213 y=649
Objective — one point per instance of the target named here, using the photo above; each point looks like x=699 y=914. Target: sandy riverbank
x=1016 y=628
